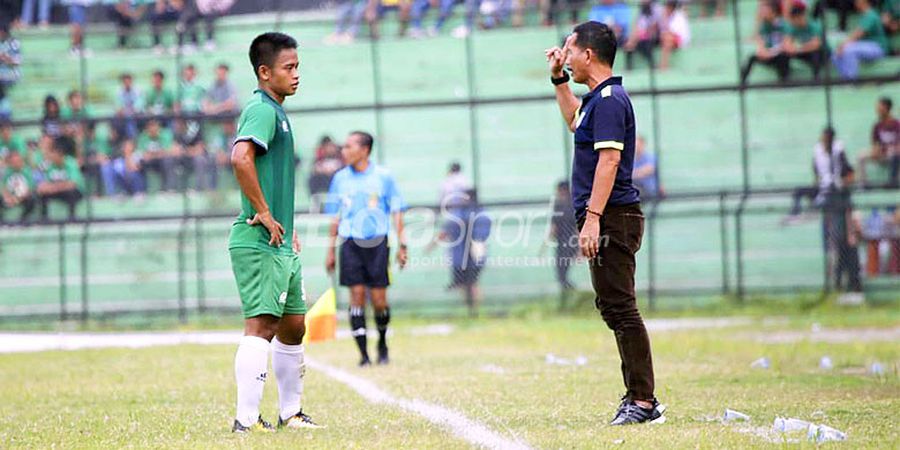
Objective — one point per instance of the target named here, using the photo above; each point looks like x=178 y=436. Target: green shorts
x=268 y=283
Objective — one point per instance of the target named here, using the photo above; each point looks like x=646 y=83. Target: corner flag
x=321 y=320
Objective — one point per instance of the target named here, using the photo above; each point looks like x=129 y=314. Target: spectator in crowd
x=675 y=32
x=708 y=7
x=194 y=11
x=831 y=170
x=553 y=9
x=10 y=59
x=471 y=15
x=644 y=172
x=163 y=13
x=43 y=15
x=454 y=188
x=18 y=187
x=10 y=142
x=376 y=9
x=867 y=43
x=466 y=231
x=495 y=12
x=155 y=149
x=564 y=231
x=327 y=162
x=129 y=105
x=62 y=178
x=221 y=98
x=159 y=100
x=616 y=14
x=8 y=11
x=126 y=13
x=51 y=123
x=350 y=17
x=844 y=9
x=74 y=114
x=77 y=19
x=645 y=36
x=804 y=40
x=890 y=16
x=191 y=94
x=885 y=148
x=97 y=160
x=769 y=42
x=195 y=157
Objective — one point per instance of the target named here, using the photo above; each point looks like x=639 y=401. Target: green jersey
x=870 y=24
x=771 y=33
x=146 y=143
x=14 y=144
x=191 y=97
x=67 y=171
x=68 y=114
x=159 y=102
x=264 y=123
x=19 y=183
x=802 y=35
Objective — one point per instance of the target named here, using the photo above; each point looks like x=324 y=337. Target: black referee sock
x=382 y=319
x=358 y=327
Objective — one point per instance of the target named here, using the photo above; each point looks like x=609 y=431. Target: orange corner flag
x=321 y=320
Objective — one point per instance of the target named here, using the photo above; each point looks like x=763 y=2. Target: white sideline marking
x=472 y=431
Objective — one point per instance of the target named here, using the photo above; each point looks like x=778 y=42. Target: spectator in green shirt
x=890 y=16
x=159 y=101
x=62 y=179
x=97 y=159
x=155 y=150
x=867 y=43
x=804 y=40
x=9 y=142
x=18 y=187
x=190 y=96
x=74 y=114
x=769 y=40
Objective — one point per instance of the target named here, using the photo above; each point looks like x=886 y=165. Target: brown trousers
x=612 y=276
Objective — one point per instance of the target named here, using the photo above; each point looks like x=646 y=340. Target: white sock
x=251 y=363
x=287 y=362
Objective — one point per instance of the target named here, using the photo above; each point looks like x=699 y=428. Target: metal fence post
x=651 y=256
x=473 y=114
x=723 y=233
x=739 y=246
x=63 y=314
x=84 y=272
x=745 y=166
x=200 y=263
x=379 y=106
x=182 y=288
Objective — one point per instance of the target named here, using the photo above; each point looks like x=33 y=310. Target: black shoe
x=631 y=413
x=621 y=407
x=365 y=362
x=383 y=356
x=298 y=420
x=261 y=426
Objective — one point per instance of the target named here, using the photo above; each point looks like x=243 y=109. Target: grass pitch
x=493 y=371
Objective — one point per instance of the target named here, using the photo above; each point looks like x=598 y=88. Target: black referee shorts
x=365 y=262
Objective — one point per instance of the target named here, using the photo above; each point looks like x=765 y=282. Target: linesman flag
x=321 y=319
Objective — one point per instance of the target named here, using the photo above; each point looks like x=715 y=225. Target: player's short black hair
x=125 y=75
x=365 y=139
x=829 y=131
x=265 y=48
x=887 y=102
x=224 y=65
x=455 y=167
x=64 y=145
x=159 y=73
x=599 y=38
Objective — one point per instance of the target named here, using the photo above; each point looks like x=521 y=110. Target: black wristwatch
x=561 y=80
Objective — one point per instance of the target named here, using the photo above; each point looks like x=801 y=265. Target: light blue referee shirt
x=364 y=201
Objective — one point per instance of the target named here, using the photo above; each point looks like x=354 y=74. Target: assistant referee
x=606 y=202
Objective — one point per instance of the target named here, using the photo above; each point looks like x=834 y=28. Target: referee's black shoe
x=383 y=355
x=364 y=361
x=630 y=413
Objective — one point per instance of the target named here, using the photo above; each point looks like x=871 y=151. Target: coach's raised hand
x=556 y=58
x=276 y=231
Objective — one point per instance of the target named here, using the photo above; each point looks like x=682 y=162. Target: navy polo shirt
x=605 y=120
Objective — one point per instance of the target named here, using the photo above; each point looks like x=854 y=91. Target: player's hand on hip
x=589 y=238
x=329 y=261
x=402 y=257
x=295 y=243
x=275 y=229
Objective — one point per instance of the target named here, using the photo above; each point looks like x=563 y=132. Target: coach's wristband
x=590 y=211
x=561 y=80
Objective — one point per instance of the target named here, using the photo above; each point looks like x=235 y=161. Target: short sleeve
x=333 y=200
x=394 y=199
x=257 y=124
x=608 y=124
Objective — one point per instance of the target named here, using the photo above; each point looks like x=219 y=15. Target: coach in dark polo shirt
x=606 y=202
